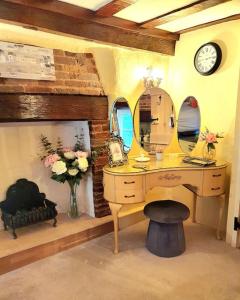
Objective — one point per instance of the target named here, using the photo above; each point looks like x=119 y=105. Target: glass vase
x=73 y=205
x=209 y=151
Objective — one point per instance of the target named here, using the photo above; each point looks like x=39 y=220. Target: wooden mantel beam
x=83 y=27
x=181 y=12
x=113 y=7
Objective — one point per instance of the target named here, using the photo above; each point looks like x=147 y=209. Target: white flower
x=69 y=155
x=82 y=164
x=59 y=167
x=72 y=172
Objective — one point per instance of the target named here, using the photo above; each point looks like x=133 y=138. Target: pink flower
x=211 y=138
x=81 y=154
x=50 y=160
x=67 y=149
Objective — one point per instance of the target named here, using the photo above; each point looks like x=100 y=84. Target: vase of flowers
x=67 y=164
x=210 y=139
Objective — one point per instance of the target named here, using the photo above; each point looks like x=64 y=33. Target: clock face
x=208 y=58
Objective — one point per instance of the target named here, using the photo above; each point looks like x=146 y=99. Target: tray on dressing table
x=198 y=161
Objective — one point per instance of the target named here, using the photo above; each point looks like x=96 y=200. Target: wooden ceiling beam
x=227 y=19
x=181 y=12
x=85 y=28
x=87 y=14
x=113 y=7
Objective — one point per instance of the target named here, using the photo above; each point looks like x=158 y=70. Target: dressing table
x=154 y=125
x=127 y=184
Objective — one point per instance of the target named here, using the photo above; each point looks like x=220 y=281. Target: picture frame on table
x=116 y=153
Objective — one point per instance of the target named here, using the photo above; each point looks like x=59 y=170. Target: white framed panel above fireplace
x=26 y=62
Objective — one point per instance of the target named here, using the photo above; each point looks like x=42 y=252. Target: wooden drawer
x=174 y=178
x=129 y=182
x=213 y=182
x=129 y=196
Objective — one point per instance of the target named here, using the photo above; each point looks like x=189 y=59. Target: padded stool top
x=166 y=211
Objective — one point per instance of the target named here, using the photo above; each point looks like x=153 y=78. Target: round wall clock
x=208 y=58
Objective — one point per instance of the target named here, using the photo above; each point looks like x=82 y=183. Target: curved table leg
x=194 y=207
x=220 y=218
x=115 y=208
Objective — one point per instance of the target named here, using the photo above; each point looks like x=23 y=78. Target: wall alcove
x=20 y=107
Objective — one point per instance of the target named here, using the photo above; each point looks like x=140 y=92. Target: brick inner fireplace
x=77 y=94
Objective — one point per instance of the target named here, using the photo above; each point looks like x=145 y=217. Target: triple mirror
x=121 y=123
x=154 y=120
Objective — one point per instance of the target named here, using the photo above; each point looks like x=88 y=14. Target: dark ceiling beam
x=113 y=7
x=181 y=12
x=227 y=19
x=85 y=28
x=87 y=14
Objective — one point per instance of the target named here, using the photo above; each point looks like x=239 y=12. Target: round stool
x=165 y=235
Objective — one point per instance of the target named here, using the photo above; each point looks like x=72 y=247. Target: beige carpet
x=208 y=270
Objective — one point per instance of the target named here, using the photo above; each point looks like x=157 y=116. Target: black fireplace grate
x=25 y=205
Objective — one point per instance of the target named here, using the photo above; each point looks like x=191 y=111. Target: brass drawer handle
x=129 y=182
x=215 y=189
x=131 y=196
x=216 y=175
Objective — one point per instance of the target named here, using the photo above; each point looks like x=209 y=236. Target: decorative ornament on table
x=210 y=139
x=159 y=152
x=67 y=164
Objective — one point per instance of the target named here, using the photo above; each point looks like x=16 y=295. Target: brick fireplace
x=77 y=94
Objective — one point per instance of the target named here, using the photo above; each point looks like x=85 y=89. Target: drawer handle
x=129 y=182
x=131 y=196
x=215 y=189
x=216 y=175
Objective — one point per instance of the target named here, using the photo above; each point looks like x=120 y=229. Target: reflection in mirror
x=188 y=124
x=154 y=120
x=121 y=123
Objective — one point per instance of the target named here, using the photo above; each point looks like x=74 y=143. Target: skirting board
x=25 y=257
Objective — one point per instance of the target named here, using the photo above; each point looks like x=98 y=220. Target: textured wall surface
x=76 y=73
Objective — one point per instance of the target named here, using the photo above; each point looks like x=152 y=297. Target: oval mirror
x=154 y=120
x=188 y=124
x=121 y=122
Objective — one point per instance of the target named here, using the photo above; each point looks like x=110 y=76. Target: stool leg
x=194 y=208
x=165 y=240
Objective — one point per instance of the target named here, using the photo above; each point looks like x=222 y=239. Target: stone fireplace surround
x=77 y=94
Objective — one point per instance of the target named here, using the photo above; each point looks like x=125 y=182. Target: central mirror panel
x=188 y=124
x=154 y=120
x=121 y=123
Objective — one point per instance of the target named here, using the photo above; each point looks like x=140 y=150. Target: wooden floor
x=42 y=240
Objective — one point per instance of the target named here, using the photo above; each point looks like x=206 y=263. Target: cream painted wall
x=216 y=94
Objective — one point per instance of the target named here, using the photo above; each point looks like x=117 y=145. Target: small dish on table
x=142 y=158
